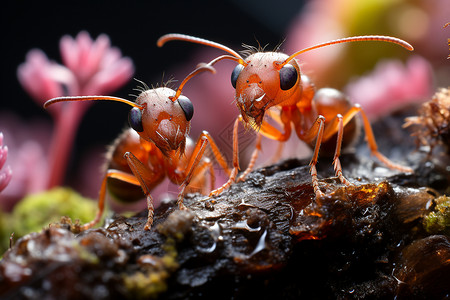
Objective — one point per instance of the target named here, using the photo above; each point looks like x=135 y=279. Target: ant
x=265 y=80
x=157 y=145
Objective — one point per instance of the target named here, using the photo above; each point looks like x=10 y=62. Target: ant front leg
x=276 y=117
x=197 y=164
x=142 y=174
x=253 y=158
x=235 y=169
x=271 y=132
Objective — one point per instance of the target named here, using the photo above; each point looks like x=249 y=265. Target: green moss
x=438 y=221
x=85 y=255
x=146 y=285
x=152 y=279
x=37 y=211
x=5 y=232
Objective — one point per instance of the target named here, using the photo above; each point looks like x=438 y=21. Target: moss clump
x=5 y=232
x=151 y=279
x=438 y=221
x=37 y=211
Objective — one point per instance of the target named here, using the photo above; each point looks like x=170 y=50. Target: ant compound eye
x=234 y=76
x=135 y=119
x=186 y=106
x=288 y=77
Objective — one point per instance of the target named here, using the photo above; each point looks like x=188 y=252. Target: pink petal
x=3 y=155
x=5 y=178
x=98 y=51
x=35 y=77
x=5 y=175
x=3 y=151
x=83 y=70
x=111 y=56
x=69 y=51
x=112 y=78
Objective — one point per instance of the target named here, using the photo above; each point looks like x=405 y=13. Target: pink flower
x=98 y=67
x=5 y=175
x=391 y=85
x=91 y=68
x=44 y=79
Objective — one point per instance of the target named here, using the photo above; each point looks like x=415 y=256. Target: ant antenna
x=90 y=98
x=381 y=38
x=224 y=57
x=200 y=68
x=182 y=37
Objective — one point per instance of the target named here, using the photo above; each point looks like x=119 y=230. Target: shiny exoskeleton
x=156 y=146
x=323 y=118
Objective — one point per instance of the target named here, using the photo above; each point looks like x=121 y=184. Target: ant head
x=161 y=116
x=162 y=121
x=261 y=84
x=266 y=79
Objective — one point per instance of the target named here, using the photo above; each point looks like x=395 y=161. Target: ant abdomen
x=329 y=103
x=129 y=141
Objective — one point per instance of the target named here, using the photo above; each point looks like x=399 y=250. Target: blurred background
x=373 y=71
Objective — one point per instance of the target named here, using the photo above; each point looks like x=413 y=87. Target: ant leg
x=253 y=158
x=142 y=173
x=235 y=162
x=316 y=130
x=337 y=153
x=273 y=133
x=331 y=129
x=198 y=182
x=198 y=151
x=194 y=161
x=101 y=201
x=218 y=156
x=277 y=118
x=373 y=144
x=212 y=176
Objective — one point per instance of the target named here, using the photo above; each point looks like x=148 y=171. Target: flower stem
x=64 y=133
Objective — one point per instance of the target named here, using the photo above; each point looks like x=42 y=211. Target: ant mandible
x=157 y=145
x=272 y=79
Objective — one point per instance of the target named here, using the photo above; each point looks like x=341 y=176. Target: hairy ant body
x=322 y=118
x=157 y=145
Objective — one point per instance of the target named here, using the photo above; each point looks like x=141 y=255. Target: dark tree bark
x=263 y=238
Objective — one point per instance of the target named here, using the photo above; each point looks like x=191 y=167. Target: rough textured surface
x=263 y=238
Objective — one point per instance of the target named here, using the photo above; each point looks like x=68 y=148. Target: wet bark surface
x=263 y=238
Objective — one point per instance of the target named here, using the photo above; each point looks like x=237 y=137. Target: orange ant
x=272 y=79
x=155 y=146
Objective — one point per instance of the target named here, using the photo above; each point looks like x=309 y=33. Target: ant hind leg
x=373 y=144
